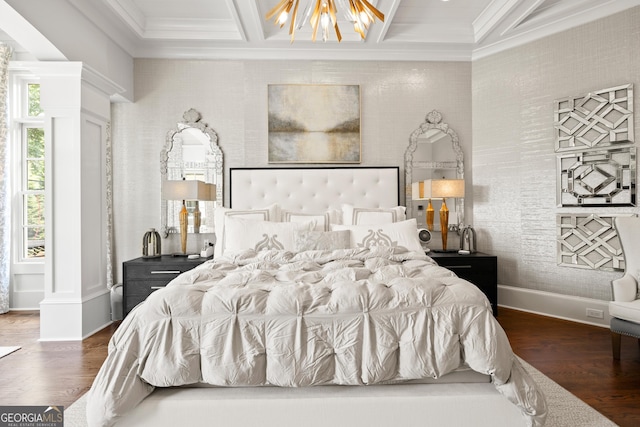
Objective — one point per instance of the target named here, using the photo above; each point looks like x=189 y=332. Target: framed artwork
x=314 y=124
x=589 y=241
x=597 y=119
x=597 y=178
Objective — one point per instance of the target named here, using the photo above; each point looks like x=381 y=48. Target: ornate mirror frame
x=432 y=122
x=215 y=159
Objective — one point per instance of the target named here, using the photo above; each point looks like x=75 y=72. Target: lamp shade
x=446 y=188
x=188 y=190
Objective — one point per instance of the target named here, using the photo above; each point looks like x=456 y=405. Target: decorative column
x=76 y=104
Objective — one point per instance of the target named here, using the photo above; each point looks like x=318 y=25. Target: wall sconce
x=442 y=189
x=188 y=190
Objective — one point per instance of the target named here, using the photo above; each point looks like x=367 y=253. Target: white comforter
x=350 y=317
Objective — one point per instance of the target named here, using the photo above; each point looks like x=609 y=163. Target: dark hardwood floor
x=46 y=373
x=579 y=358
x=576 y=356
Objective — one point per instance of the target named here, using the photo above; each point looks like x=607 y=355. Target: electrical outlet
x=596 y=314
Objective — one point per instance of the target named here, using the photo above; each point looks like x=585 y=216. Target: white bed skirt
x=406 y=405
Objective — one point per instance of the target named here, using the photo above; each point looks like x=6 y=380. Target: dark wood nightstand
x=141 y=276
x=478 y=268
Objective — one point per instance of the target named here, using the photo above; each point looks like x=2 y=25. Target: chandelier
x=323 y=14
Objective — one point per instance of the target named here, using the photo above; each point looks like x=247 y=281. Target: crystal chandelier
x=323 y=14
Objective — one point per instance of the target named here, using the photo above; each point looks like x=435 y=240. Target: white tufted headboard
x=314 y=189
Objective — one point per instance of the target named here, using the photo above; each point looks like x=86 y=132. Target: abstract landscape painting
x=314 y=123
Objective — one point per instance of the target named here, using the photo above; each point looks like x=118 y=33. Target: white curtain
x=5 y=195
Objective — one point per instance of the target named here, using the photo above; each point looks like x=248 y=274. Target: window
x=33 y=193
x=29 y=176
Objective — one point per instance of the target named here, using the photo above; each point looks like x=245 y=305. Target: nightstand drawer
x=144 y=287
x=154 y=272
x=142 y=276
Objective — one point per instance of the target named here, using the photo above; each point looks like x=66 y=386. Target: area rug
x=8 y=350
x=565 y=409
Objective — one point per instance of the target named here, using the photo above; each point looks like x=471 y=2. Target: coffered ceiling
x=412 y=29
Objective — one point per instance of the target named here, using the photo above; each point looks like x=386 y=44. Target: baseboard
x=550 y=304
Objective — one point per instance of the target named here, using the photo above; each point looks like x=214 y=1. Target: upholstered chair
x=625 y=306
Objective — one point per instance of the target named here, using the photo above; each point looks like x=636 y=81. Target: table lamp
x=188 y=190
x=442 y=189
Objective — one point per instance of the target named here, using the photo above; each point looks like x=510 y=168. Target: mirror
x=433 y=153
x=191 y=151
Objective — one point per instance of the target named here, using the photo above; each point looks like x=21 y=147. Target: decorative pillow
x=363 y=216
x=403 y=233
x=270 y=213
x=322 y=240
x=323 y=219
x=243 y=234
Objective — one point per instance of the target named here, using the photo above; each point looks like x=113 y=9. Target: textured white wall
x=232 y=98
x=513 y=159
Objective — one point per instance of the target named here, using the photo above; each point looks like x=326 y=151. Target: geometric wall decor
x=597 y=119
x=589 y=241
x=597 y=178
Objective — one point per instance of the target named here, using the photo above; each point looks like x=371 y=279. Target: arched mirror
x=433 y=153
x=191 y=152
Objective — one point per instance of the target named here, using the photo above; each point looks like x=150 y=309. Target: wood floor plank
x=576 y=356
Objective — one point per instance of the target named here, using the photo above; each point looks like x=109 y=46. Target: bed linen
x=277 y=318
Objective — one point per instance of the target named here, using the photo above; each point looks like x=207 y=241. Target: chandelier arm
x=338 y=35
x=315 y=20
x=271 y=13
x=373 y=10
x=334 y=19
x=278 y=9
x=306 y=14
x=294 y=17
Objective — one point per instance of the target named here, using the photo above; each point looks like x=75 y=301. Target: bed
x=320 y=300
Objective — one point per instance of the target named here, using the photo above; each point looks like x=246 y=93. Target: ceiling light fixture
x=323 y=13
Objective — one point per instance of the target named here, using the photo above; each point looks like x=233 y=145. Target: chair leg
x=615 y=345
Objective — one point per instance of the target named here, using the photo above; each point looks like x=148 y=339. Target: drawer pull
x=453 y=267
x=166 y=272
x=155 y=288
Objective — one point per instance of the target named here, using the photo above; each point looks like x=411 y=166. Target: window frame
x=20 y=122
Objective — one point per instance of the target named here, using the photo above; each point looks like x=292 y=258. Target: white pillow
x=241 y=234
x=270 y=213
x=363 y=216
x=403 y=233
x=323 y=219
x=322 y=240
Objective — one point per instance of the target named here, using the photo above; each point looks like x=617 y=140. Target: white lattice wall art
x=597 y=119
x=597 y=178
x=589 y=241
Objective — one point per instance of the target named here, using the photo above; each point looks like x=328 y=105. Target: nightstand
x=141 y=276
x=478 y=268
